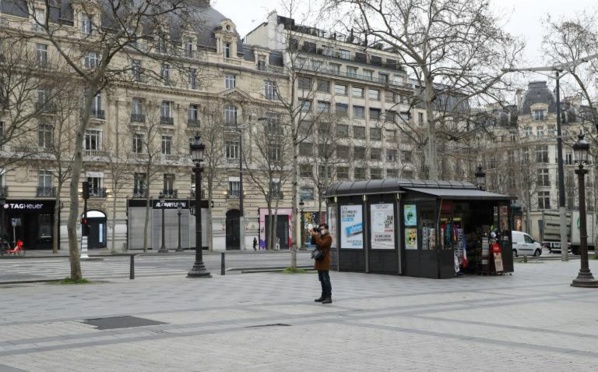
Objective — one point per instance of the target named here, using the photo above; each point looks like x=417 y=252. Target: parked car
x=524 y=244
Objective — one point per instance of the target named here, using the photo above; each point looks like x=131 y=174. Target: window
x=95 y=187
x=136 y=68
x=389 y=116
x=45 y=136
x=234 y=188
x=342 y=131
x=343 y=152
x=44 y=178
x=359 y=152
x=406 y=156
x=376 y=154
x=368 y=74
x=540 y=132
x=374 y=94
x=39 y=20
x=358 y=132
x=93 y=140
x=342 y=173
x=306 y=193
x=165 y=73
x=383 y=78
x=335 y=69
x=358 y=112
x=359 y=173
x=306 y=149
x=340 y=89
x=542 y=154
x=227 y=50
x=305 y=170
x=230 y=81
x=192 y=78
x=273 y=122
x=166 y=145
x=543 y=199
x=304 y=83
x=270 y=90
x=232 y=150
x=91 y=60
x=391 y=155
x=376 y=173
x=139 y=184
x=42 y=96
x=357 y=92
x=189 y=48
x=193 y=113
x=375 y=134
x=392 y=173
x=86 y=24
x=137 y=110
x=351 y=71
x=389 y=97
x=323 y=106
x=324 y=172
x=41 y=54
x=420 y=118
x=138 y=143
x=568 y=158
x=275 y=186
x=543 y=177
x=274 y=152
x=539 y=114
x=169 y=183
x=305 y=105
x=96 y=107
x=162 y=43
x=342 y=109
x=527 y=132
x=391 y=136
x=374 y=114
x=166 y=109
x=344 y=54
x=261 y=63
x=230 y=114
x=323 y=86
x=408 y=174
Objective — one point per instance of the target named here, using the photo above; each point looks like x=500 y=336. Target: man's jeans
x=324 y=278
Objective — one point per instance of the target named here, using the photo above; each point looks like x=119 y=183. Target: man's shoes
x=322 y=298
x=327 y=300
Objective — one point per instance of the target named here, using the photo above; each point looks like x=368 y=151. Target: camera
x=313 y=228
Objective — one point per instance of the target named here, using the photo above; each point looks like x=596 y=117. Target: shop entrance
x=281 y=233
x=233 y=240
x=97 y=229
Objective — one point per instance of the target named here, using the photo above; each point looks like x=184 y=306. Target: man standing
x=323 y=241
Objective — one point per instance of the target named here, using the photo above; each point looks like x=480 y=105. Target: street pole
x=241 y=209
x=163 y=245
x=301 y=204
x=561 y=174
x=199 y=269
x=178 y=208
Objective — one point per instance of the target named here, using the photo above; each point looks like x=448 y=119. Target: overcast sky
x=524 y=16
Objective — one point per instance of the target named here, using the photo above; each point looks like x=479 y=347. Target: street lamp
x=178 y=213
x=480 y=177
x=163 y=245
x=241 y=211
x=301 y=204
x=198 y=270
x=581 y=151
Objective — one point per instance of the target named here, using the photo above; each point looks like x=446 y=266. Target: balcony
x=3 y=192
x=139 y=193
x=166 y=120
x=233 y=194
x=203 y=194
x=193 y=123
x=98 y=114
x=95 y=153
x=138 y=118
x=97 y=192
x=276 y=195
x=45 y=192
x=170 y=193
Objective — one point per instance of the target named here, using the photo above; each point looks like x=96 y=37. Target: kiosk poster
x=410 y=212
x=332 y=223
x=351 y=226
x=383 y=226
x=410 y=238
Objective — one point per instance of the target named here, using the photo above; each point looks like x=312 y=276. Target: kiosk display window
x=351 y=226
x=382 y=221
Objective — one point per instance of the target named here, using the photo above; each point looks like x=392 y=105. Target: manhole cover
x=120 y=322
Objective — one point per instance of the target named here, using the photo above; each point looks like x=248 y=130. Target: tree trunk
x=56 y=223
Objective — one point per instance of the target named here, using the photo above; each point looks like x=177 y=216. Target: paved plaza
x=529 y=321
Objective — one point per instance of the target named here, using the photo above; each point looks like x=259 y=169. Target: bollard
x=222 y=265
x=524 y=258
x=132 y=267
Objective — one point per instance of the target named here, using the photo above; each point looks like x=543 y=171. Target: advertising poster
x=410 y=238
x=332 y=223
x=410 y=212
x=383 y=226
x=351 y=227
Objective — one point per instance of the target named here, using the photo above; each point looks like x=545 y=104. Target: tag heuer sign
x=23 y=206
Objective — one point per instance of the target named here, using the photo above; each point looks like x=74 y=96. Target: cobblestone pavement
x=530 y=321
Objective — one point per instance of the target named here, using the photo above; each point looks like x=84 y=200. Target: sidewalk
x=47 y=253
x=532 y=320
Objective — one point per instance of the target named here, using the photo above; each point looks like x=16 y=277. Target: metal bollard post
x=132 y=267
x=222 y=265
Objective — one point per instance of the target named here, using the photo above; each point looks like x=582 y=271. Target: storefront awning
x=461 y=194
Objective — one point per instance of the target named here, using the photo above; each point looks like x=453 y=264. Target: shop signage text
x=27 y=206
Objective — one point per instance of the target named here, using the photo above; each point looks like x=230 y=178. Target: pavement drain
x=270 y=325
x=117 y=322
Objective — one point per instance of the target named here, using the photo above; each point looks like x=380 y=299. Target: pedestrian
x=277 y=243
x=323 y=240
x=255 y=244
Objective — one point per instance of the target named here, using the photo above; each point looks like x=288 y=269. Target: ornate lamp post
x=480 y=177
x=198 y=270
x=178 y=213
x=163 y=245
x=301 y=204
x=581 y=151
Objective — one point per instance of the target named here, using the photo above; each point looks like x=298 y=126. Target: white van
x=525 y=245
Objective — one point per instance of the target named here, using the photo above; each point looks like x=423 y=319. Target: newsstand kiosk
x=431 y=229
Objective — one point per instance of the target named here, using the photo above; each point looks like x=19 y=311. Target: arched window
x=230 y=114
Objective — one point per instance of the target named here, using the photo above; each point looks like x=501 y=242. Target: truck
x=590 y=229
x=546 y=225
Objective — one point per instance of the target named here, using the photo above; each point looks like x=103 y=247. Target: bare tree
x=112 y=37
x=454 y=49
